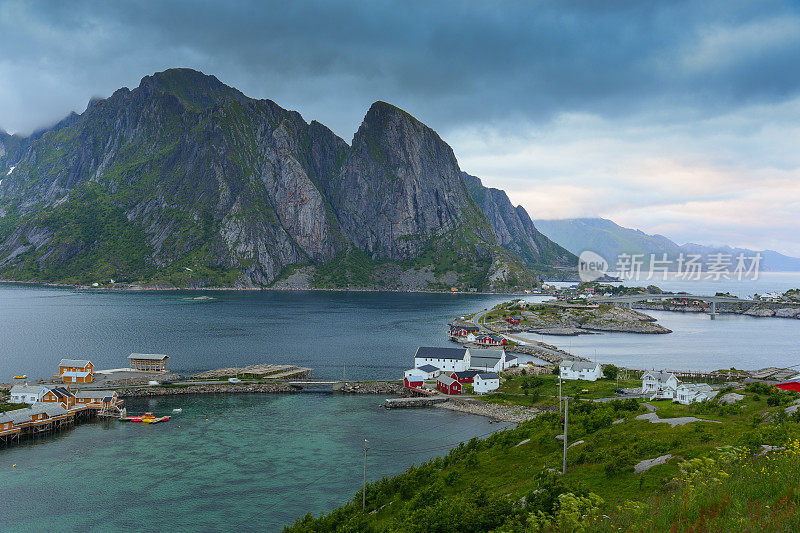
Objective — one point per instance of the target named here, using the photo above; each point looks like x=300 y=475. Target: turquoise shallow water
x=257 y=462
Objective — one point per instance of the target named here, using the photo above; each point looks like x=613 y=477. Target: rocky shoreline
x=505 y=413
x=570 y=320
x=372 y=387
x=763 y=310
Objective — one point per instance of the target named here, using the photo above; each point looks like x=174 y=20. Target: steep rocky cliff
x=514 y=229
x=185 y=181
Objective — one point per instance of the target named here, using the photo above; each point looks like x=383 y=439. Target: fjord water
x=357 y=334
x=259 y=461
x=225 y=463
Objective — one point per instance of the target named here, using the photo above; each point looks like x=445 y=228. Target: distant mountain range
x=610 y=240
x=185 y=181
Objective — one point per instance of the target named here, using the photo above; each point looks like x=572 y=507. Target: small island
x=568 y=318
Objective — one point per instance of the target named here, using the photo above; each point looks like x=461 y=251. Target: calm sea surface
x=226 y=463
x=257 y=462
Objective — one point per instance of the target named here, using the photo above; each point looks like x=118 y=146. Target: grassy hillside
x=511 y=481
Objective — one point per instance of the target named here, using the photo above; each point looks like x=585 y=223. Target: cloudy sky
x=680 y=118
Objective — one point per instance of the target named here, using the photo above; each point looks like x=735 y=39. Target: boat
x=23 y=376
x=147 y=418
x=178 y=410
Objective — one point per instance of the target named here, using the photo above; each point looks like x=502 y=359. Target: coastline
x=78 y=286
x=504 y=413
x=372 y=387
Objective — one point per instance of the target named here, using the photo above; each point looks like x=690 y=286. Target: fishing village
x=469 y=378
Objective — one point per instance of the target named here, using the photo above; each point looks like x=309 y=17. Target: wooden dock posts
x=52 y=424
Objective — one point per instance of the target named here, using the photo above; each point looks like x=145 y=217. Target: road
x=479 y=321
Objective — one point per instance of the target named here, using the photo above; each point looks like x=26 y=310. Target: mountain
x=610 y=240
x=514 y=228
x=185 y=181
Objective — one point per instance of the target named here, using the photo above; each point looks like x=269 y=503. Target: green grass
x=543 y=390
x=479 y=485
x=8 y=406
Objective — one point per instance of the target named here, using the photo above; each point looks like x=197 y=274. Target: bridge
x=629 y=300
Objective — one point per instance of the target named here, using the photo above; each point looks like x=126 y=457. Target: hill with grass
x=709 y=466
x=185 y=181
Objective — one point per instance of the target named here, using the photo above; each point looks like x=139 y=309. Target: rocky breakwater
x=369 y=387
x=545 y=352
x=506 y=413
x=219 y=388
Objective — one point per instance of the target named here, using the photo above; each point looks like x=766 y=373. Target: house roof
x=483 y=362
x=660 y=375
x=488 y=375
x=415 y=378
x=94 y=393
x=428 y=368
x=494 y=353
x=27 y=389
x=76 y=373
x=697 y=387
x=52 y=409
x=20 y=415
x=148 y=356
x=447 y=380
x=510 y=357
x=62 y=392
x=497 y=338
x=80 y=363
x=577 y=366
x=433 y=352
x=465 y=374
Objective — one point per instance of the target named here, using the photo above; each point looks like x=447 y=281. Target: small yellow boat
x=23 y=376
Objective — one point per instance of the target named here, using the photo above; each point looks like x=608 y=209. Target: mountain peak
x=192 y=86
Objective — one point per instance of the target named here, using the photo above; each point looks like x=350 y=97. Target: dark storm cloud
x=677 y=117
x=448 y=62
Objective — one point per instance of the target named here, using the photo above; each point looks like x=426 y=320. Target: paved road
x=479 y=321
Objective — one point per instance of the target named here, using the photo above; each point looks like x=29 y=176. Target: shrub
x=610 y=372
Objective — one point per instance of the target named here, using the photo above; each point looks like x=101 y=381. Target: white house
x=488 y=360
x=694 y=392
x=29 y=394
x=485 y=382
x=660 y=385
x=444 y=359
x=426 y=371
x=585 y=370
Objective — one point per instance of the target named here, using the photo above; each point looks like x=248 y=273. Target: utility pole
x=566 y=421
x=559 y=393
x=364 y=490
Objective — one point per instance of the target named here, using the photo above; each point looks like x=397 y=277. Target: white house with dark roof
x=583 y=370
x=29 y=394
x=488 y=360
x=484 y=382
x=426 y=371
x=444 y=359
x=660 y=385
x=687 y=393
